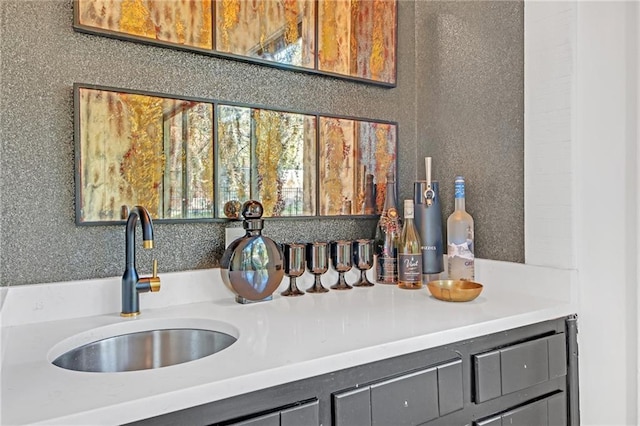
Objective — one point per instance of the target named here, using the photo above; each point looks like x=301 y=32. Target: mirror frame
x=215 y=103
x=121 y=35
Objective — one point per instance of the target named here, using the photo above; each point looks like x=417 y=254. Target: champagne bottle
x=387 y=235
x=460 y=250
x=409 y=252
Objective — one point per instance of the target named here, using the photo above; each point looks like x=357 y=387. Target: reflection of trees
x=189 y=147
x=279 y=142
x=234 y=131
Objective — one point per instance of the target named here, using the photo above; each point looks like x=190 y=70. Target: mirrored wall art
x=269 y=156
x=142 y=149
x=200 y=159
x=354 y=39
x=358 y=38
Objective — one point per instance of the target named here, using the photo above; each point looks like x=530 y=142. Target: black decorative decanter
x=252 y=266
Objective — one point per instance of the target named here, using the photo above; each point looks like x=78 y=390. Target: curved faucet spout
x=132 y=285
x=138 y=212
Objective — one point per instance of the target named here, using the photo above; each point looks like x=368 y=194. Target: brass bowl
x=454 y=290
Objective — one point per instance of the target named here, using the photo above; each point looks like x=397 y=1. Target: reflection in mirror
x=137 y=149
x=278 y=31
x=358 y=38
x=178 y=22
x=355 y=39
x=269 y=156
x=354 y=159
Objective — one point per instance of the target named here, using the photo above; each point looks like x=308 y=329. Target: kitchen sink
x=143 y=350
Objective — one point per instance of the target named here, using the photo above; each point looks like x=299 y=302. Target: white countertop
x=279 y=341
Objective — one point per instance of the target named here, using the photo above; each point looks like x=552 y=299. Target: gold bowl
x=454 y=290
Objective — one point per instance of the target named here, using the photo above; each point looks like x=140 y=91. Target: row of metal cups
x=315 y=256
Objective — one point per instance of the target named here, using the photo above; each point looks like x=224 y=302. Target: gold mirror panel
x=187 y=23
x=147 y=150
x=353 y=153
x=368 y=29
x=200 y=160
x=268 y=156
x=277 y=31
x=356 y=39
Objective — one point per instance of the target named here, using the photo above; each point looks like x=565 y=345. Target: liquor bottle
x=409 y=252
x=387 y=235
x=460 y=250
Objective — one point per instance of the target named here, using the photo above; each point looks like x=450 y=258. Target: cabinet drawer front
x=301 y=415
x=486 y=368
x=352 y=408
x=450 y=394
x=524 y=365
x=407 y=400
x=272 y=419
x=550 y=411
x=530 y=415
x=514 y=368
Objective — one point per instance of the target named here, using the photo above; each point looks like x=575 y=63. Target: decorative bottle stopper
x=252 y=266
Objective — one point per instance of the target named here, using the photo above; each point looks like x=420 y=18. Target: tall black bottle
x=387 y=236
x=428 y=219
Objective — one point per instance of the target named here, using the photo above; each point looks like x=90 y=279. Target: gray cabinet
x=305 y=414
x=517 y=367
x=550 y=411
x=525 y=376
x=409 y=399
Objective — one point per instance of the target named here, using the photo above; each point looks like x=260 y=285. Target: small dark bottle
x=387 y=236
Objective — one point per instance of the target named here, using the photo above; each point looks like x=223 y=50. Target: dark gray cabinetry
x=550 y=411
x=409 y=399
x=305 y=414
x=517 y=367
x=524 y=376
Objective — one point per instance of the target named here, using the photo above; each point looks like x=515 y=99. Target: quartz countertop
x=279 y=341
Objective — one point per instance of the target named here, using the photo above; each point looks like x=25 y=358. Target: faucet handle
x=154 y=280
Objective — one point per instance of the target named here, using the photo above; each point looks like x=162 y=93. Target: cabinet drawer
x=407 y=400
x=352 y=408
x=410 y=399
x=301 y=415
x=506 y=370
x=272 y=419
x=304 y=414
x=550 y=411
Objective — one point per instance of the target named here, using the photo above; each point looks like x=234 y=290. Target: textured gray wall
x=470 y=114
x=41 y=57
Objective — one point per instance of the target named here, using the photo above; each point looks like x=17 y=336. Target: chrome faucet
x=132 y=285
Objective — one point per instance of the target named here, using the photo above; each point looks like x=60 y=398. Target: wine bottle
x=387 y=235
x=409 y=252
x=460 y=250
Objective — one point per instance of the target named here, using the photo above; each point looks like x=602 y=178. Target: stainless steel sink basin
x=144 y=350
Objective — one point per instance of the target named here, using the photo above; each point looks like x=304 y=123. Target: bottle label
x=410 y=268
x=461 y=261
x=387 y=270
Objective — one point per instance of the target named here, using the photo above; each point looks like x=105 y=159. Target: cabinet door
x=550 y=411
x=301 y=415
x=352 y=408
x=535 y=414
x=518 y=367
x=271 y=419
x=407 y=400
x=450 y=387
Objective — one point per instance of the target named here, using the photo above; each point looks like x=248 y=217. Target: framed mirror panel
x=135 y=148
x=199 y=160
x=353 y=39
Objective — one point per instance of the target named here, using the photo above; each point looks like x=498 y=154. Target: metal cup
x=318 y=264
x=294 y=257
